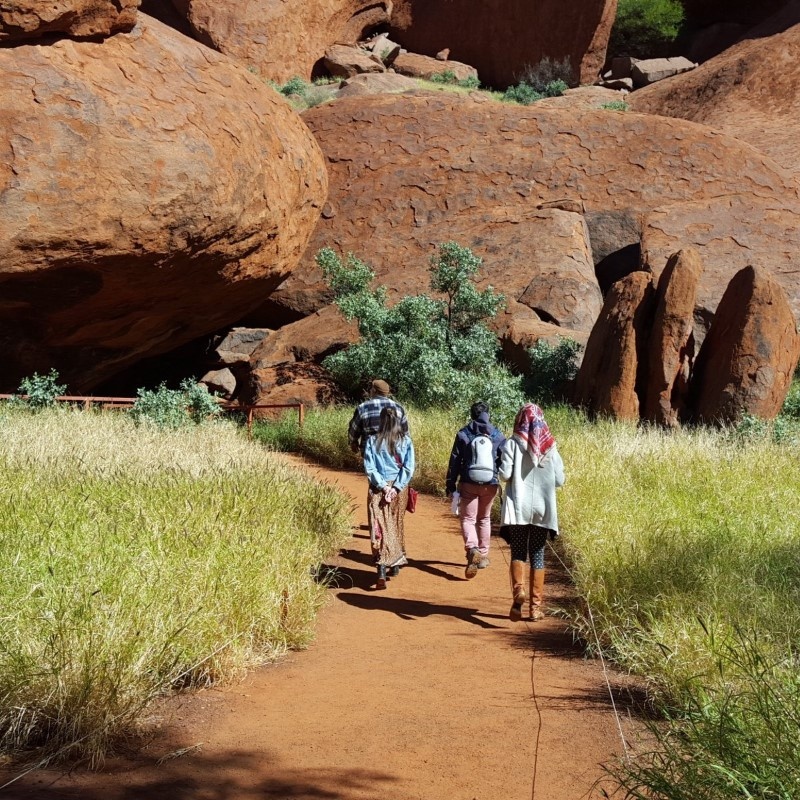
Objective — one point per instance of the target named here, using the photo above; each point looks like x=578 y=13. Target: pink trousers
x=474 y=511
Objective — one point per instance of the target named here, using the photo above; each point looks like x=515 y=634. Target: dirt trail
x=425 y=690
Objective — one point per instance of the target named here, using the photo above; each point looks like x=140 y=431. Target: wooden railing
x=126 y=402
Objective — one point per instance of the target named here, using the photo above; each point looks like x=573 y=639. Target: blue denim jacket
x=381 y=466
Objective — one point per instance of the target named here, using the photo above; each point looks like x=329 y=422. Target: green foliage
x=174 y=408
x=555 y=88
x=523 y=94
x=446 y=76
x=552 y=367
x=548 y=73
x=470 y=82
x=791 y=405
x=295 y=85
x=729 y=741
x=41 y=390
x=434 y=352
x=645 y=28
x=616 y=105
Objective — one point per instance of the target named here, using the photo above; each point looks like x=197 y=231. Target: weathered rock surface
x=343 y=61
x=652 y=70
x=730 y=233
x=500 y=43
x=583 y=97
x=410 y=171
x=30 y=19
x=609 y=377
x=750 y=91
x=671 y=350
x=297 y=382
x=220 y=381
x=746 y=362
x=417 y=66
x=151 y=191
x=281 y=39
x=383 y=83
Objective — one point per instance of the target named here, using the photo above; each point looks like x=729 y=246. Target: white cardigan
x=530 y=495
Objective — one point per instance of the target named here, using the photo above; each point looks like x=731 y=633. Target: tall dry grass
x=137 y=561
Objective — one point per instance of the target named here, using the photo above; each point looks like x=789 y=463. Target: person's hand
x=389 y=494
x=553 y=535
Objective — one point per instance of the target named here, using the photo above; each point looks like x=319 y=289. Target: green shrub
x=791 y=405
x=523 y=94
x=616 y=105
x=470 y=82
x=546 y=72
x=434 y=352
x=645 y=28
x=174 y=408
x=555 y=88
x=295 y=85
x=446 y=76
x=41 y=390
x=552 y=367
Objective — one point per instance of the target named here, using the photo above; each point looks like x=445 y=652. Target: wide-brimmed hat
x=381 y=387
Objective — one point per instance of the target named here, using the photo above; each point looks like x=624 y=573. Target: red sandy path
x=423 y=691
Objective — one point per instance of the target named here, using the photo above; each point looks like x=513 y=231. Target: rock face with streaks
x=22 y=20
x=750 y=91
x=671 y=348
x=500 y=42
x=608 y=383
x=747 y=360
x=280 y=39
x=410 y=171
x=151 y=191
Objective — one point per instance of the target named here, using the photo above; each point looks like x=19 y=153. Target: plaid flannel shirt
x=367 y=417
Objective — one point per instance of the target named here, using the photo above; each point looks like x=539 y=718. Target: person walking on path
x=389 y=465
x=473 y=473
x=366 y=417
x=532 y=468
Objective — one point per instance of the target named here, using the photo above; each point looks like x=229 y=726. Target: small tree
x=645 y=28
x=434 y=352
x=174 y=408
x=553 y=366
x=41 y=390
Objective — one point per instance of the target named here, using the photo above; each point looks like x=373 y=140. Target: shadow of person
x=413 y=609
x=428 y=566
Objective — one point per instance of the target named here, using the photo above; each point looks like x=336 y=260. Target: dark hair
x=478 y=408
x=390 y=432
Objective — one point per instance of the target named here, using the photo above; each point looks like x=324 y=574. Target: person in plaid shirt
x=367 y=416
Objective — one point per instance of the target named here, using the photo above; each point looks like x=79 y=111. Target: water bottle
x=454 y=504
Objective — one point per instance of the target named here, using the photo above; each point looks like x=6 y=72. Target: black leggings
x=527 y=542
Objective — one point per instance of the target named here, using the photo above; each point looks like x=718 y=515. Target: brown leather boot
x=517 y=590
x=537 y=594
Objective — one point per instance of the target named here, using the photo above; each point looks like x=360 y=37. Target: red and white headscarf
x=531 y=429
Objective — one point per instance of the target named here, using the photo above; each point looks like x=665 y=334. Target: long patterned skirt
x=386 y=526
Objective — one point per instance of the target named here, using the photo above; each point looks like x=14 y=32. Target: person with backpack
x=389 y=465
x=472 y=473
x=532 y=468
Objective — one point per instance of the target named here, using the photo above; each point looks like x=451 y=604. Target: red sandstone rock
x=671 y=349
x=385 y=82
x=410 y=171
x=151 y=191
x=345 y=62
x=750 y=91
x=280 y=39
x=500 y=41
x=295 y=382
x=730 y=233
x=31 y=19
x=746 y=362
x=417 y=66
x=608 y=378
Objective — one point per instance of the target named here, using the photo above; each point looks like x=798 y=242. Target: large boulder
x=279 y=39
x=750 y=91
x=730 y=233
x=671 y=349
x=501 y=41
x=609 y=379
x=31 y=19
x=416 y=66
x=151 y=191
x=410 y=171
x=747 y=360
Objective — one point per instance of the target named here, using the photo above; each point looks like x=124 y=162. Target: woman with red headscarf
x=533 y=470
